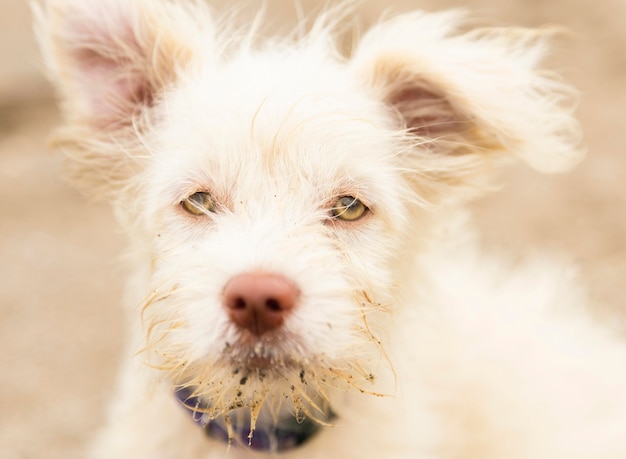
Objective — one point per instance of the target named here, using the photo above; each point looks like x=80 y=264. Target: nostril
x=273 y=305
x=237 y=303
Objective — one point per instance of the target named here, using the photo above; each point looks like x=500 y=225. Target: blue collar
x=286 y=434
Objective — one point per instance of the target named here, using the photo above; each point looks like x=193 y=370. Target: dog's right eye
x=199 y=203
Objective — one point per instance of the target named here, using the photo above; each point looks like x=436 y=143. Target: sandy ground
x=60 y=323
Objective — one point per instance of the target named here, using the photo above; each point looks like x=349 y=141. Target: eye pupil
x=348 y=208
x=199 y=203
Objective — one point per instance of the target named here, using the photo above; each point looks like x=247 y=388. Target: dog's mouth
x=265 y=396
x=257 y=397
x=255 y=428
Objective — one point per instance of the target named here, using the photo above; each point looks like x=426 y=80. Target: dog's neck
x=278 y=436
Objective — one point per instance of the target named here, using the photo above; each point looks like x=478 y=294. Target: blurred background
x=60 y=280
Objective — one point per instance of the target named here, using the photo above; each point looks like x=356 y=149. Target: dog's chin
x=254 y=374
x=258 y=398
x=270 y=393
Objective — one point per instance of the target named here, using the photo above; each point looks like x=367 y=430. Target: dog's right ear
x=110 y=60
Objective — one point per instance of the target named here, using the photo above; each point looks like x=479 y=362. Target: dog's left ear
x=464 y=95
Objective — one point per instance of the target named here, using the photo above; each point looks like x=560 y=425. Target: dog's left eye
x=348 y=208
x=199 y=203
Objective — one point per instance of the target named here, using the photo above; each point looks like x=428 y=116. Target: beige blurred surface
x=60 y=283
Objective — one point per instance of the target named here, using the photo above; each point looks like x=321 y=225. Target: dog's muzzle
x=280 y=435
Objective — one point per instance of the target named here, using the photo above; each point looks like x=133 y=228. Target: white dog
x=305 y=283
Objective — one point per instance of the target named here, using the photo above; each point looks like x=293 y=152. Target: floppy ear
x=465 y=96
x=110 y=60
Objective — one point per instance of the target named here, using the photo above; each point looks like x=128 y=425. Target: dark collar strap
x=286 y=434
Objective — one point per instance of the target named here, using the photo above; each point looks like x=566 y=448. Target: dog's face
x=273 y=232
x=278 y=192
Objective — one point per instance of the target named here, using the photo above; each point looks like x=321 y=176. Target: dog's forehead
x=276 y=114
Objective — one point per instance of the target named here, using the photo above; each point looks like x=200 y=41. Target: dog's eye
x=199 y=203
x=348 y=208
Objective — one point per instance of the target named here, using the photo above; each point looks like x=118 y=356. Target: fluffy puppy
x=304 y=281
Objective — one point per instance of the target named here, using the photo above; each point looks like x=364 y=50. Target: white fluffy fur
x=424 y=347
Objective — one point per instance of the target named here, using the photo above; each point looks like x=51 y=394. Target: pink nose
x=259 y=302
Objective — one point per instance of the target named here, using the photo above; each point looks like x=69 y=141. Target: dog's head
x=277 y=189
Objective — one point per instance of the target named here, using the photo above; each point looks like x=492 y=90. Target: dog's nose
x=259 y=302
